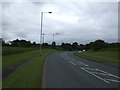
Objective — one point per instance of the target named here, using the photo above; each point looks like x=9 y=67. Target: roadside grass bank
x=109 y=56
x=9 y=60
x=15 y=50
x=30 y=74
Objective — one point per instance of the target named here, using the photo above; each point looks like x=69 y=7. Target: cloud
x=81 y=22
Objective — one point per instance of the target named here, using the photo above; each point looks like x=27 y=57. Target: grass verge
x=15 y=50
x=29 y=75
x=103 y=56
x=9 y=60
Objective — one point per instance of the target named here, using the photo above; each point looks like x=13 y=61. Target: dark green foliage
x=75 y=46
x=67 y=46
x=81 y=47
x=96 y=45
x=53 y=45
x=20 y=43
x=45 y=45
x=99 y=44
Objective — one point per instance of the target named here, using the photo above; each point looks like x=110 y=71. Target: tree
x=20 y=43
x=66 y=46
x=75 y=45
x=45 y=45
x=81 y=47
x=53 y=45
x=99 y=44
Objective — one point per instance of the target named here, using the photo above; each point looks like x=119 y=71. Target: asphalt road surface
x=64 y=70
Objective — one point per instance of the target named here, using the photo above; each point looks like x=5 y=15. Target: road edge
x=44 y=74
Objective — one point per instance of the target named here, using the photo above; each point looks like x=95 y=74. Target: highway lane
x=64 y=70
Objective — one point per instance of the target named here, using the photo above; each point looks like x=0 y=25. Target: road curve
x=64 y=70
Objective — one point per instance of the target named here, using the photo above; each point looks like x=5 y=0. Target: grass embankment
x=30 y=74
x=103 y=55
x=15 y=50
x=17 y=55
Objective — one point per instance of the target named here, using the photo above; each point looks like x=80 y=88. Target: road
x=64 y=70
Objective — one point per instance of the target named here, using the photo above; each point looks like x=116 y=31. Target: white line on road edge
x=94 y=75
x=113 y=80
x=83 y=63
x=72 y=63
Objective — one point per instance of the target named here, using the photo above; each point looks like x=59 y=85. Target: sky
x=80 y=22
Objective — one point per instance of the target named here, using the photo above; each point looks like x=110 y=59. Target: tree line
x=96 y=45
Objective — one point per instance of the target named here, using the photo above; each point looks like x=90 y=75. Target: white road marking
x=72 y=63
x=72 y=59
x=66 y=57
x=92 y=69
x=109 y=74
x=113 y=80
x=83 y=63
x=94 y=75
x=99 y=73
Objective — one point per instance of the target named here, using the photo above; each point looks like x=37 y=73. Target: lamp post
x=54 y=35
x=41 y=31
x=43 y=37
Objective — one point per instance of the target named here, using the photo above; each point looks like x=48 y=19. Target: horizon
x=74 y=22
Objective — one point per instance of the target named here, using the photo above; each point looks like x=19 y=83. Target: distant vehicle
x=79 y=51
x=83 y=50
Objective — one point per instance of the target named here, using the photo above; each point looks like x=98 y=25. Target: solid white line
x=83 y=63
x=113 y=80
x=94 y=75
x=72 y=63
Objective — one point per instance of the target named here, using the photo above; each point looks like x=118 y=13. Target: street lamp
x=43 y=37
x=41 y=31
x=54 y=35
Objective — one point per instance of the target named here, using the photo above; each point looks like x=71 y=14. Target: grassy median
x=30 y=74
x=103 y=55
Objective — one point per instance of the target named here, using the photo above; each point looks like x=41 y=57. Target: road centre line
x=72 y=63
x=83 y=63
x=94 y=75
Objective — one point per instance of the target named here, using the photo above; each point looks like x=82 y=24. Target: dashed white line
x=99 y=73
x=72 y=59
x=94 y=75
x=91 y=69
x=72 y=63
x=83 y=63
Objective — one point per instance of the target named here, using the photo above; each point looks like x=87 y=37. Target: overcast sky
x=79 y=21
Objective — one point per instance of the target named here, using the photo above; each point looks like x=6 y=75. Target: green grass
x=15 y=50
x=9 y=60
x=29 y=75
x=103 y=56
